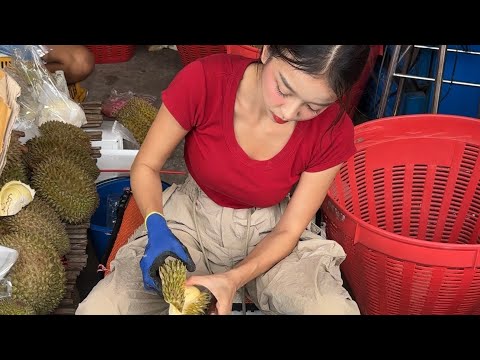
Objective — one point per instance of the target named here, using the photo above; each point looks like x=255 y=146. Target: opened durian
x=38 y=276
x=14 y=196
x=39 y=218
x=183 y=300
x=9 y=306
x=68 y=189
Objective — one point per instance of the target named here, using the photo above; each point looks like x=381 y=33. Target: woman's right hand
x=222 y=287
x=161 y=244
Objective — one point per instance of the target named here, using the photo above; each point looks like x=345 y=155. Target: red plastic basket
x=248 y=51
x=189 y=53
x=406 y=209
x=105 y=54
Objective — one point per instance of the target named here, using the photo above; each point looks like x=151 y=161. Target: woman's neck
x=250 y=94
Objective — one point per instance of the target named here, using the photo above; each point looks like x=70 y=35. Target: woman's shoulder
x=333 y=118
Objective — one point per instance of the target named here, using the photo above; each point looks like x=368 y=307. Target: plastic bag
x=40 y=100
x=116 y=101
x=126 y=134
x=39 y=50
x=8 y=258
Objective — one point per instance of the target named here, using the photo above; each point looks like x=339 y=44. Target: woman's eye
x=281 y=93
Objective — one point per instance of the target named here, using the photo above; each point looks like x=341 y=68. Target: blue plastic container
x=103 y=220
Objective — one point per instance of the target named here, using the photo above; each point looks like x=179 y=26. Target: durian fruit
x=183 y=300
x=137 y=116
x=14 y=196
x=39 y=218
x=41 y=148
x=15 y=167
x=58 y=131
x=68 y=189
x=38 y=276
x=8 y=306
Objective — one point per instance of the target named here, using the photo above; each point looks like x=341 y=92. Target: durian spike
x=199 y=305
x=173 y=275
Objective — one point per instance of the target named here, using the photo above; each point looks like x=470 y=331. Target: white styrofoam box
x=115 y=162
x=110 y=140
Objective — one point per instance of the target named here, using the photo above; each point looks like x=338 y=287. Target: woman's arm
x=306 y=200
x=162 y=138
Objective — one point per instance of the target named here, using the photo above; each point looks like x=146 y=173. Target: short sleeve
x=336 y=146
x=185 y=96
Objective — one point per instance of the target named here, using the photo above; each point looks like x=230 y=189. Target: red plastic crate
x=107 y=54
x=248 y=51
x=406 y=209
x=189 y=53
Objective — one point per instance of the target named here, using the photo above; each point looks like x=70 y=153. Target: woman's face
x=292 y=95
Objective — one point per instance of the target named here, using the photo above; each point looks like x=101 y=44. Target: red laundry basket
x=189 y=53
x=107 y=54
x=406 y=209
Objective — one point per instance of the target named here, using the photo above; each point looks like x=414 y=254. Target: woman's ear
x=265 y=54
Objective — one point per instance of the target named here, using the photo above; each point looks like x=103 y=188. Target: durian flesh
x=183 y=300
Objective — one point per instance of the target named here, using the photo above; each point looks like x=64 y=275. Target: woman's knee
x=82 y=64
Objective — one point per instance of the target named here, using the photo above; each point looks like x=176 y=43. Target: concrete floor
x=148 y=73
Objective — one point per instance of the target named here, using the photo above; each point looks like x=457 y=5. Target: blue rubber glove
x=161 y=244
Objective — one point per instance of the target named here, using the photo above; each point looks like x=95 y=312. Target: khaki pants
x=307 y=281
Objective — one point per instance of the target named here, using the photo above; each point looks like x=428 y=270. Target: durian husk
x=38 y=276
x=68 y=189
x=15 y=167
x=39 y=218
x=58 y=131
x=137 y=116
x=41 y=148
x=183 y=300
x=9 y=306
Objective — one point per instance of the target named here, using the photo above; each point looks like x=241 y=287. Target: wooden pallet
x=75 y=260
x=93 y=112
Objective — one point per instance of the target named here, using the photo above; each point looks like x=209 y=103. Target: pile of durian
x=58 y=166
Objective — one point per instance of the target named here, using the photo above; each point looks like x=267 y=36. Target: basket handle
x=424 y=252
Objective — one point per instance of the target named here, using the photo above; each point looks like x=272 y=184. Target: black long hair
x=341 y=65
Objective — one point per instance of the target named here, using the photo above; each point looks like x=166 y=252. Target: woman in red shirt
x=252 y=129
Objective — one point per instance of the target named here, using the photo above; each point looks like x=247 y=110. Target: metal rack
x=438 y=80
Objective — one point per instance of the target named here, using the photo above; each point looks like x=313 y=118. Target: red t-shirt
x=202 y=97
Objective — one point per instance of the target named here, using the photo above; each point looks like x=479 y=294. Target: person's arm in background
x=162 y=139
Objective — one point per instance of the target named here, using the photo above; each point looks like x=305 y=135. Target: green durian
x=58 y=131
x=15 y=167
x=68 y=189
x=41 y=148
x=38 y=276
x=8 y=306
x=40 y=219
x=137 y=116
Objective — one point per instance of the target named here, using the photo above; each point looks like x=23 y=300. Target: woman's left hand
x=221 y=286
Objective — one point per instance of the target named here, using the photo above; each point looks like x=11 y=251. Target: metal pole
x=402 y=80
x=439 y=78
x=386 y=90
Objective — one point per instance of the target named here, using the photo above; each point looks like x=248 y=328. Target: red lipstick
x=278 y=120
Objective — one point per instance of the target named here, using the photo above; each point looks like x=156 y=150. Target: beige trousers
x=307 y=281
